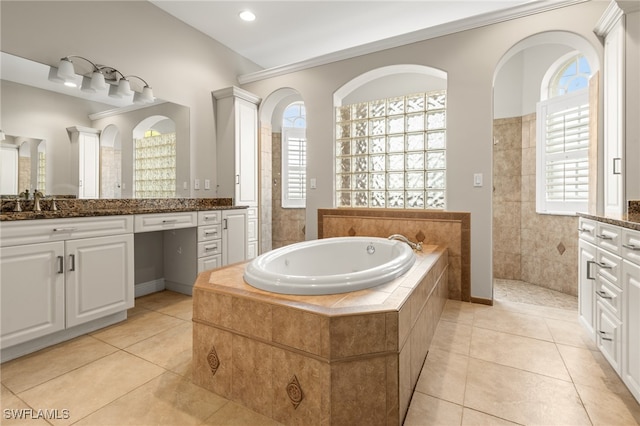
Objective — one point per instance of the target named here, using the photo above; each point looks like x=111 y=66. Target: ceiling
x=289 y=32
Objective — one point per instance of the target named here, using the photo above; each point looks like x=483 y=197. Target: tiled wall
x=24 y=174
x=266 y=183
x=447 y=229
x=543 y=251
x=288 y=224
x=507 y=183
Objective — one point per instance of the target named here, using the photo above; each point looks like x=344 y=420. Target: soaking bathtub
x=330 y=265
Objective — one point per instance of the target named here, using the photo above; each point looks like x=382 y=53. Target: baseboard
x=179 y=288
x=149 y=287
x=482 y=301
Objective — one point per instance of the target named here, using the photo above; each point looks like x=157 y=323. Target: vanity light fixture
x=118 y=83
x=247 y=16
x=66 y=74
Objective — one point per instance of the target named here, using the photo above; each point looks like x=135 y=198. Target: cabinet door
x=246 y=153
x=609 y=336
x=99 y=277
x=234 y=236
x=32 y=291
x=631 y=323
x=586 y=284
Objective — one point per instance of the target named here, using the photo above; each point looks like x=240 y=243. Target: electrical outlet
x=207 y=184
x=185 y=185
x=196 y=184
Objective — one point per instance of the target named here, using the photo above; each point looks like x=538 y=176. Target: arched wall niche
x=522 y=239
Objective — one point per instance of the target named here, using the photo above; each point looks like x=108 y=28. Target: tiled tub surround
x=447 y=229
x=318 y=360
x=73 y=207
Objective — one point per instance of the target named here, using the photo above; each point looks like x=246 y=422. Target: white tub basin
x=330 y=265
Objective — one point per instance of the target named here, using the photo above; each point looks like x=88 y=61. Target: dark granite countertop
x=69 y=208
x=630 y=220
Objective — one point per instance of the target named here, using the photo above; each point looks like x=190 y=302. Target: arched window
x=294 y=156
x=562 y=151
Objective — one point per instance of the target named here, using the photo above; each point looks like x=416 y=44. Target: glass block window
x=391 y=153
x=155 y=165
x=42 y=171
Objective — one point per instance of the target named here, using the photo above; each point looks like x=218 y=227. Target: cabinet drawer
x=587 y=230
x=608 y=336
x=207 y=233
x=162 y=221
x=610 y=296
x=209 y=248
x=609 y=266
x=209 y=262
x=48 y=230
x=209 y=217
x=631 y=245
x=608 y=237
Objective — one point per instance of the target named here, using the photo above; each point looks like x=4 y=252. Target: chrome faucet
x=416 y=246
x=37 y=195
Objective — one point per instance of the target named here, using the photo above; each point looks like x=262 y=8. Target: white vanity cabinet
x=609 y=295
x=237 y=150
x=61 y=273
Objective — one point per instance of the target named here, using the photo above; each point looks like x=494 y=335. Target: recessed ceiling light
x=247 y=15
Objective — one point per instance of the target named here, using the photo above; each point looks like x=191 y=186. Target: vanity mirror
x=56 y=121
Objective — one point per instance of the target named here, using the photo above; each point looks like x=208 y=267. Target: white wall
x=181 y=64
x=469 y=58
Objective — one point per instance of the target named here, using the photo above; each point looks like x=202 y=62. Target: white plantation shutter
x=294 y=167
x=563 y=154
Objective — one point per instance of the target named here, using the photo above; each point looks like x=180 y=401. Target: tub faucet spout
x=416 y=246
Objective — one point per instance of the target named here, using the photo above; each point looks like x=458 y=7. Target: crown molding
x=121 y=110
x=413 y=37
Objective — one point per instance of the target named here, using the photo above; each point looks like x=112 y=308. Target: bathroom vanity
x=68 y=272
x=609 y=291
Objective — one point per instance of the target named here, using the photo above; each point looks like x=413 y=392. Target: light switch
x=196 y=184
x=313 y=184
x=185 y=185
x=477 y=179
x=207 y=184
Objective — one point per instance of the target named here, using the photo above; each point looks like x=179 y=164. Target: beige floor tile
x=514 y=323
x=444 y=376
x=476 y=418
x=525 y=353
x=570 y=333
x=233 y=414
x=607 y=408
x=171 y=349
x=169 y=399
x=15 y=412
x=522 y=397
x=182 y=309
x=136 y=329
x=536 y=310
x=427 y=410
x=88 y=388
x=452 y=337
x=460 y=312
x=28 y=371
x=591 y=368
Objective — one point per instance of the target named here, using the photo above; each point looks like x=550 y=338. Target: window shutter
x=563 y=154
x=294 y=167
